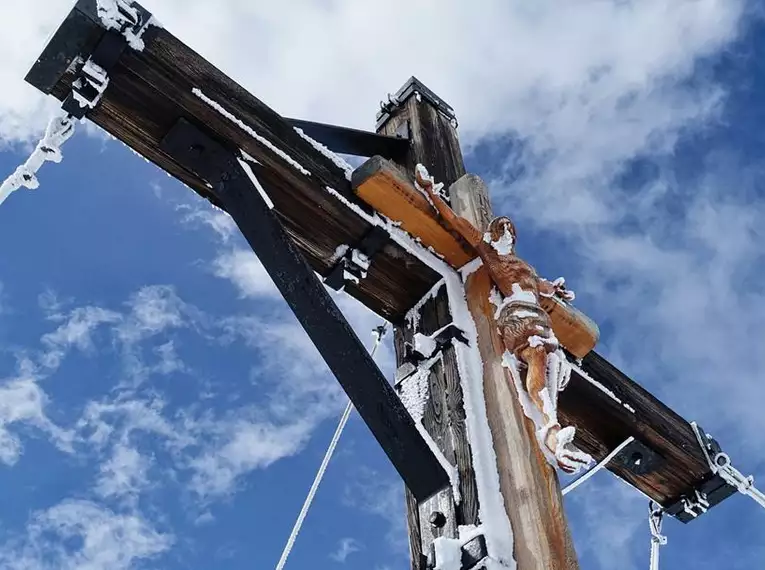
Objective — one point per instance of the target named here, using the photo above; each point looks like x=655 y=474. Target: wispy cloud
x=22 y=401
x=81 y=534
x=245 y=271
x=345 y=548
x=382 y=497
x=124 y=474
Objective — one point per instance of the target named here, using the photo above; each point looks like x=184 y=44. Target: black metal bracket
x=445 y=337
x=355 y=262
x=413 y=88
x=93 y=77
x=346 y=356
x=344 y=140
x=708 y=494
x=638 y=458
x=473 y=552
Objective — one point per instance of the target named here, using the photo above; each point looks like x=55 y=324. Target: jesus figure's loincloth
x=523 y=324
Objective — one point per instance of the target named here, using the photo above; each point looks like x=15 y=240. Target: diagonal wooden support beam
x=374 y=399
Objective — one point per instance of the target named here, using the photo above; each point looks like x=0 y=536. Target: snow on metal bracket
x=89 y=87
x=353 y=264
x=126 y=17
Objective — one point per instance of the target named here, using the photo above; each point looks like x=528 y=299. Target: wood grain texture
x=603 y=422
x=435 y=144
x=385 y=188
x=528 y=483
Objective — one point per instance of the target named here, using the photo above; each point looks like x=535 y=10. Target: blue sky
x=159 y=406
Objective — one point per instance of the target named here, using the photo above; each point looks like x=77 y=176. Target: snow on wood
x=255 y=182
x=414 y=391
x=504 y=245
x=337 y=160
x=425 y=345
x=470 y=267
x=413 y=316
x=340 y=252
x=499 y=536
x=448 y=553
x=600 y=386
x=249 y=130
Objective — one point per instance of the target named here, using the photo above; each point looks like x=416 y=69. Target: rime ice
x=59 y=130
x=249 y=130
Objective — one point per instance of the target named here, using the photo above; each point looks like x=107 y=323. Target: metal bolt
x=437 y=519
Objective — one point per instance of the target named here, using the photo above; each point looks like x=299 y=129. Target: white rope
x=59 y=129
x=574 y=484
x=655 y=515
x=380 y=333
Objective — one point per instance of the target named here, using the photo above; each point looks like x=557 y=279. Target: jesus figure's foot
x=560 y=442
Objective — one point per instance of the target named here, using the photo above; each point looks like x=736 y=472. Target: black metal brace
x=444 y=338
x=213 y=161
x=708 y=494
x=473 y=552
x=355 y=262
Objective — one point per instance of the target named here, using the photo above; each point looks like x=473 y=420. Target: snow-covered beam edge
x=494 y=519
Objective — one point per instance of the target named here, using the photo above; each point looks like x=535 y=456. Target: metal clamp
x=723 y=483
x=441 y=339
x=354 y=264
x=93 y=77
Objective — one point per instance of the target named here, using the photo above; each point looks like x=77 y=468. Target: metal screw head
x=437 y=519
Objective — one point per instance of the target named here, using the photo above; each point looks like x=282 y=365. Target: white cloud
x=345 y=548
x=78 y=535
x=243 y=447
x=383 y=497
x=205 y=214
x=610 y=517
x=515 y=66
x=76 y=332
x=124 y=474
x=245 y=271
x=153 y=310
x=22 y=401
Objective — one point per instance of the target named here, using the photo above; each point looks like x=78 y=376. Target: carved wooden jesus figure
x=525 y=328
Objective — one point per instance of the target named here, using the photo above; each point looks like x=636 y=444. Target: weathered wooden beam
x=366 y=386
x=444 y=410
x=384 y=187
x=150 y=90
x=528 y=484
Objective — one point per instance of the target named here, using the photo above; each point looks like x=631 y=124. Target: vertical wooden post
x=435 y=144
x=529 y=486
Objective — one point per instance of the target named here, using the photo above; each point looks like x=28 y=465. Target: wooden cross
x=464 y=448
